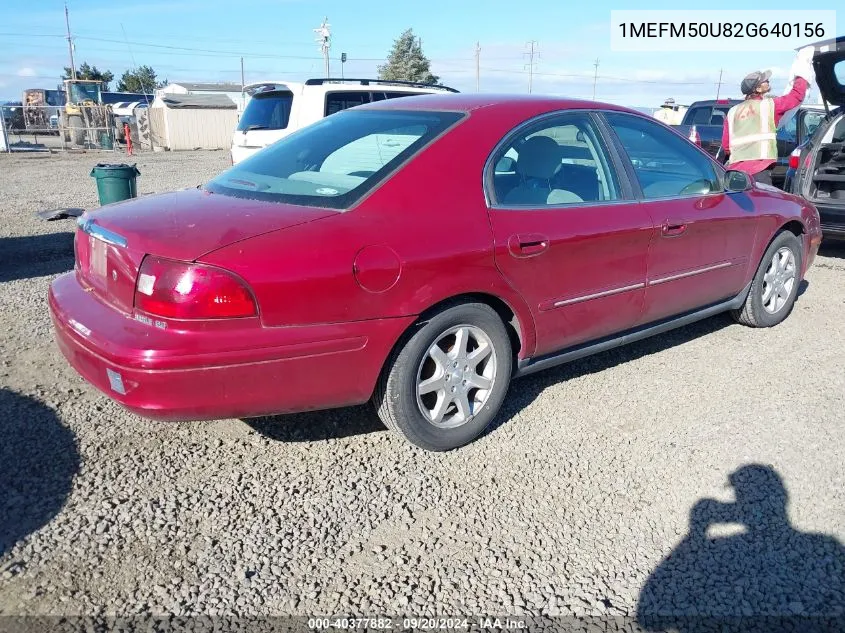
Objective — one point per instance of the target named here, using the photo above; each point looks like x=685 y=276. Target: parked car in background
x=816 y=169
x=419 y=253
x=708 y=117
x=276 y=109
x=794 y=128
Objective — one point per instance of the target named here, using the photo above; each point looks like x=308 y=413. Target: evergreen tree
x=406 y=61
x=142 y=79
x=91 y=72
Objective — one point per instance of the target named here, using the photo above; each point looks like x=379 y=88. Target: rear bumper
x=832 y=219
x=273 y=370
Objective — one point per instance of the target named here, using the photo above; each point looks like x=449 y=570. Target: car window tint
x=335 y=161
x=337 y=101
x=700 y=115
x=559 y=160
x=666 y=165
x=266 y=111
x=707 y=115
x=395 y=95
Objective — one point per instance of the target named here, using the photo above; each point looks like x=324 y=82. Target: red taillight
x=180 y=290
x=694 y=136
x=794 y=159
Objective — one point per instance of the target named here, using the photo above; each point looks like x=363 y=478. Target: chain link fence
x=58 y=128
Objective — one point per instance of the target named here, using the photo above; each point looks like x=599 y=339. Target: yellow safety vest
x=752 y=133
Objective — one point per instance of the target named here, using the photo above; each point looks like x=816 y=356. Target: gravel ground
x=594 y=474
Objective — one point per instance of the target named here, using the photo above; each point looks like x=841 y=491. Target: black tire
x=395 y=397
x=753 y=313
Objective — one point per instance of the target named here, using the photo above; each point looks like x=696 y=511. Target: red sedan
x=420 y=253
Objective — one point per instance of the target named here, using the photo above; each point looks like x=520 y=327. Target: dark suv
x=817 y=167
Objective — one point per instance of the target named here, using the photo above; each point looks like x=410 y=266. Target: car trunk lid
x=829 y=67
x=111 y=242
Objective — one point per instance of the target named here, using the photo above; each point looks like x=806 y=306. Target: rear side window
x=267 y=111
x=338 y=101
x=332 y=163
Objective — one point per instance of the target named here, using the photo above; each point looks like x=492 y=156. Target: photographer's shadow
x=766 y=577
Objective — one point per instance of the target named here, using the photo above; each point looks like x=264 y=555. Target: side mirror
x=736 y=180
x=506 y=164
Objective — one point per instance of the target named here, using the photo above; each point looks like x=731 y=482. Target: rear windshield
x=266 y=111
x=707 y=115
x=335 y=161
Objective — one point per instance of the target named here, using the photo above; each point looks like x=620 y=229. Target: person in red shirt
x=756 y=86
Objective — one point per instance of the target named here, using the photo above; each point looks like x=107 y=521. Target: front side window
x=335 y=161
x=267 y=111
x=666 y=165
x=557 y=160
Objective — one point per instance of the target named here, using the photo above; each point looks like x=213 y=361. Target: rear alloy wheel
x=775 y=285
x=445 y=385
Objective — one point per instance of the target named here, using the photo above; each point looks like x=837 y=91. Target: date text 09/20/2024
x=419 y=624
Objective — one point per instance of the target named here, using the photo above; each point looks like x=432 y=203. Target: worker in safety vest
x=749 y=137
x=668 y=113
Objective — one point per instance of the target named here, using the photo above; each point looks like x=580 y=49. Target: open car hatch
x=829 y=66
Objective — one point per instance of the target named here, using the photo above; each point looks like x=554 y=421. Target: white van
x=275 y=109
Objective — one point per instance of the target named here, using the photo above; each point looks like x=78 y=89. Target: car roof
x=467 y=102
x=343 y=85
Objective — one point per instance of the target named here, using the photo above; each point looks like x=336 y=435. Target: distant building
x=230 y=89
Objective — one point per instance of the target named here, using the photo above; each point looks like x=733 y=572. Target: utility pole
x=324 y=39
x=719 y=85
x=531 y=65
x=70 y=45
x=595 y=77
x=477 y=67
x=243 y=100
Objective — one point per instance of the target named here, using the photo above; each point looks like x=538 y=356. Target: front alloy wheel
x=778 y=281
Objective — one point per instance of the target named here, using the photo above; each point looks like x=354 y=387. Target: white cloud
x=26 y=71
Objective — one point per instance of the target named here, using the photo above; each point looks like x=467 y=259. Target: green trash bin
x=115 y=182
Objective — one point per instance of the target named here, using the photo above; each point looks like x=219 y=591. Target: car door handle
x=527 y=244
x=673 y=228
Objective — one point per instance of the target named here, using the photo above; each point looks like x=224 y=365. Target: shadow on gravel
x=765 y=575
x=315 y=426
x=524 y=391
x=35 y=256
x=38 y=460
x=338 y=423
x=832 y=248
